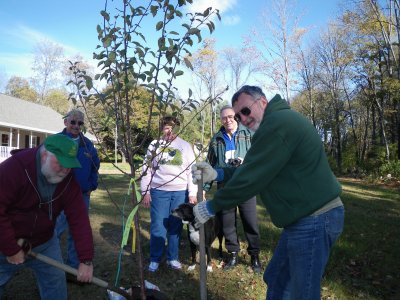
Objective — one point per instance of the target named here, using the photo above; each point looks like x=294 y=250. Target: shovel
x=70 y=270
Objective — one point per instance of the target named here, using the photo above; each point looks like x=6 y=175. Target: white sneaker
x=174 y=264
x=153 y=266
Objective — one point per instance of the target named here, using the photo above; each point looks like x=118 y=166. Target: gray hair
x=251 y=90
x=225 y=107
x=75 y=112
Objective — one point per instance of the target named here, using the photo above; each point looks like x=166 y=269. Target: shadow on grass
x=364 y=262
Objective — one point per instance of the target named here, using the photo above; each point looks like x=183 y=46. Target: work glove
x=201 y=214
x=209 y=174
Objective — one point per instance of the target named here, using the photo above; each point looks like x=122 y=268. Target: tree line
x=346 y=81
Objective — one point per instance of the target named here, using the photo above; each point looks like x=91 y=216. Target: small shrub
x=392 y=168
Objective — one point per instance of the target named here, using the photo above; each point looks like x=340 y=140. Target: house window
x=34 y=140
x=31 y=141
x=5 y=138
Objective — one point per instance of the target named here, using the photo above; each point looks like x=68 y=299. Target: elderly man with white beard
x=35 y=186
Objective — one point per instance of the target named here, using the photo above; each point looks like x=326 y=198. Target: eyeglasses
x=245 y=111
x=73 y=122
x=225 y=119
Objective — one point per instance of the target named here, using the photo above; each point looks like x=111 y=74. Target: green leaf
x=188 y=63
x=142 y=77
x=178 y=73
x=105 y=15
x=198 y=36
x=161 y=43
x=139 y=52
x=211 y=26
x=206 y=12
x=107 y=42
x=89 y=82
x=112 y=56
x=159 y=25
x=194 y=31
x=99 y=30
x=153 y=10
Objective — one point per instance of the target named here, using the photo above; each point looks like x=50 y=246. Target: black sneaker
x=233 y=261
x=255 y=264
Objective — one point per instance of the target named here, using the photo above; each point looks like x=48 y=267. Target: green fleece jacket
x=286 y=165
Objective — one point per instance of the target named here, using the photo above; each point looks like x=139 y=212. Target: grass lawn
x=364 y=263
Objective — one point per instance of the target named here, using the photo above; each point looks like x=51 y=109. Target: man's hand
x=192 y=199
x=146 y=200
x=85 y=272
x=17 y=259
x=201 y=214
x=209 y=174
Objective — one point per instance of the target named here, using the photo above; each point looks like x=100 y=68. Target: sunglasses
x=73 y=122
x=245 y=111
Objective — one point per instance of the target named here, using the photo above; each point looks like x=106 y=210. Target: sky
x=72 y=24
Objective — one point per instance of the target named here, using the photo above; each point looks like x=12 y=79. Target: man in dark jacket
x=86 y=176
x=287 y=166
x=35 y=186
x=228 y=148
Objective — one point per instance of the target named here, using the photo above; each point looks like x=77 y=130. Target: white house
x=25 y=124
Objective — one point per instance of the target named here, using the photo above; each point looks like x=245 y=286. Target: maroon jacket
x=23 y=216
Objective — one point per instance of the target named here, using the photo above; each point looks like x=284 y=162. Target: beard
x=52 y=176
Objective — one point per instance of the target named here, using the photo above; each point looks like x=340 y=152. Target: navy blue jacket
x=87 y=155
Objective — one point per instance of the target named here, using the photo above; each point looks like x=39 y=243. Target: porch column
x=18 y=136
x=11 y=138
x=30 y=139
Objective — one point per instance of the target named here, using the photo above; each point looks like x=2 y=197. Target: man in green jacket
x=287 y=166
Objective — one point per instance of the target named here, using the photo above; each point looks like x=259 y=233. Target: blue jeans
x=61 y=226
x=163 y=225
x=51 y=280
x=298 y=263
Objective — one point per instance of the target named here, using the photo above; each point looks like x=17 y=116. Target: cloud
x=221 y=5
x=17 y=64
x=231 y=20
x=20 y=41
x=21 y=36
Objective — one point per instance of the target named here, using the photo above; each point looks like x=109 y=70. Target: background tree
x=240 y=64
x=207 y=68
x=67 y=70
x=277 y=40
x=20 y=88
x=57 y=99
x=308 y=81
x=48 y=59
x=130 y=63
x=334 y=59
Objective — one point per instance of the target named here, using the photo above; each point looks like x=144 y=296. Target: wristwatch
x=88 y=262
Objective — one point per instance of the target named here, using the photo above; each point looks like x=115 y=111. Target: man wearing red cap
x=35 y=186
